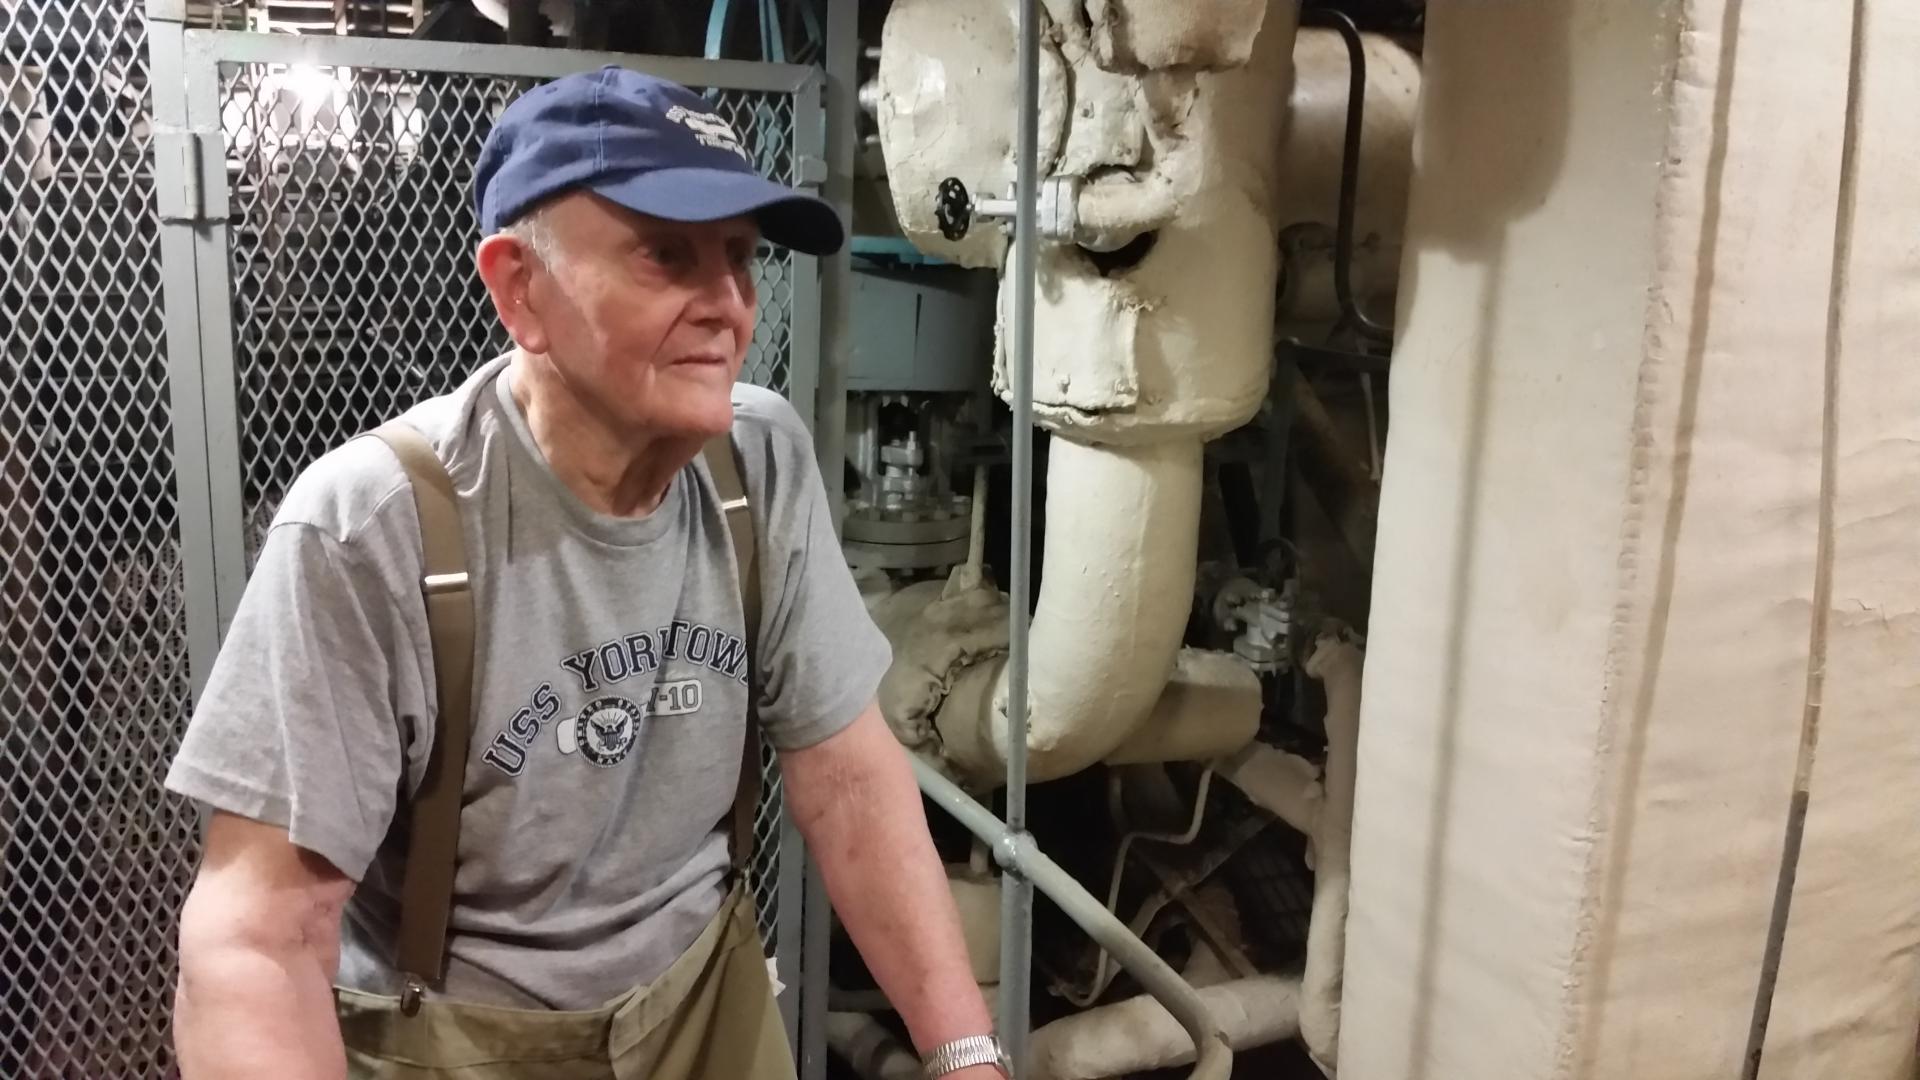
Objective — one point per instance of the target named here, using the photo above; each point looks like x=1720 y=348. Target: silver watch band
x=966 y=1053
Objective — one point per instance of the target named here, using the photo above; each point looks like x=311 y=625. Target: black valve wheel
x=953 y=208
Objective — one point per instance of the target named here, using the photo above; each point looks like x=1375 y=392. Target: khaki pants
x=710 y=1016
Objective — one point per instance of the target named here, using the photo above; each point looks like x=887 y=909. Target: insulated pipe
x=1110 y=215
x=558 y=13
x=1138 y=1034
x=1107 y=215
x=1209 y=709
x=1017 y=855
x=1284 y=785
x=870 y=1048
x=1122 y=543
x=1337 y=664
x=1121 y=546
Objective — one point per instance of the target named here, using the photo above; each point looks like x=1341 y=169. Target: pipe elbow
x=1121 y=546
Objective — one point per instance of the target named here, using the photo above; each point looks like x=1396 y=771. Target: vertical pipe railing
x=1016 y=896
x=840 y=142
x=1020 y=858
x=836 y=270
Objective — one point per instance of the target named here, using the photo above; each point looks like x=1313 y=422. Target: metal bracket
x=174 y=11
x=181 y=157
x=809 y=170
x=440 y=584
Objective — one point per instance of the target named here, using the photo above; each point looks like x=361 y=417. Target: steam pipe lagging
x=1139 y=1034
x=1337 y=664
x=1121 y=545
x=870 y=1048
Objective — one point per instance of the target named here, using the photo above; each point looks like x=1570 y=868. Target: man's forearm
x=244 y=1013
x=856 y=803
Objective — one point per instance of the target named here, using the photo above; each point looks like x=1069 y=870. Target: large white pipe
x=1209 y=709
x=1337 y=664
x=558 y=13
x=1138 y=1034
x=1121 y=546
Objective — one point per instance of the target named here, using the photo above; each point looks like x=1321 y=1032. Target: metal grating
x=94 y=688
x=352 y=241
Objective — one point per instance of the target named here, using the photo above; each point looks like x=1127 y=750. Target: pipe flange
x=1057 y=208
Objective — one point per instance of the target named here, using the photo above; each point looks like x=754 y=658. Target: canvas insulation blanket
x=1652 y=490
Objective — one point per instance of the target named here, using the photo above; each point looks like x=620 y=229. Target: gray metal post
x=176 y=171
x=836 y=271
x=829 y=440
x=212 y=262
x=804 y=339
x=1016 y=891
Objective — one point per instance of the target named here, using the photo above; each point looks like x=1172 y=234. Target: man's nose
x=725 y=294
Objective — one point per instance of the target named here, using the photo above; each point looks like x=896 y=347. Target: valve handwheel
x=953 y=208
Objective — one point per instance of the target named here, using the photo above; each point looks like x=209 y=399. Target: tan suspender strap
x=426 y=891
x=724 y=466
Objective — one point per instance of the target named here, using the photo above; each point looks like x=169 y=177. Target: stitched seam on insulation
x=1575 y=1043
x=1780 y=918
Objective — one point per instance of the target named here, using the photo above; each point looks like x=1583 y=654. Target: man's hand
x=855 y=800
x=259 y=950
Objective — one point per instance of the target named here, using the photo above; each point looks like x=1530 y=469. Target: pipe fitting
x=1337 y=663
x=1011 y=849
x=1055 y=208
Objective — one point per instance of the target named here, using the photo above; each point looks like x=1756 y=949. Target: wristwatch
x=966 y=1053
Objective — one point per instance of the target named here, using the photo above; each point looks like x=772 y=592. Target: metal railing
x=1022 y=860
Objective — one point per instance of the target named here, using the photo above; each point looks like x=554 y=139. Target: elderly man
x=593 y=930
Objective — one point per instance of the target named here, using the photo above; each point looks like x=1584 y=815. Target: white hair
x=536 y=232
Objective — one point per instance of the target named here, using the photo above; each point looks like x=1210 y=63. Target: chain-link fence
x=352 y=236
x=352 y=239
x=349 y=252
x=94 y=686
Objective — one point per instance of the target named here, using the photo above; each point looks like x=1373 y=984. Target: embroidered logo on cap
x=711 y=129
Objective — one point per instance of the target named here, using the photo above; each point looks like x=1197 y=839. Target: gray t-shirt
x=610 y=693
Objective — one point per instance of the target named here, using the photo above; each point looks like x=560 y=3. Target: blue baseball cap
x=647 y=144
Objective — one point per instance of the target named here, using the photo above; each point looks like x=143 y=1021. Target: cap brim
x=790 y=218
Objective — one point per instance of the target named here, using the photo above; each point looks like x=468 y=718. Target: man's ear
x=507 y=268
